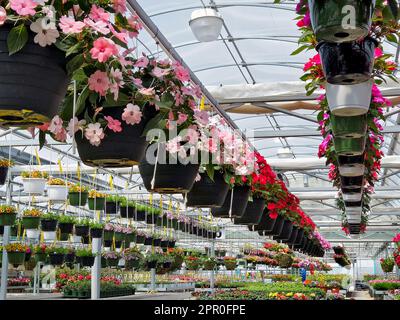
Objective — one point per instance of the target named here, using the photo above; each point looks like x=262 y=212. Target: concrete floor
x=361 y=295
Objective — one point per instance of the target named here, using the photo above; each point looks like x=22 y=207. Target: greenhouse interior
x=199 y=150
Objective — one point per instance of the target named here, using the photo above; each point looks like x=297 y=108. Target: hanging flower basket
x=26 y=100
x=97 y=203
x=132 y=264
x=278 y=226
x=31 y=222
x=96 y=233
x=127 y=212
x=34 y=185
x=265 y=224
x=330 y=19
x=241 y=196
x=3 y=175
x=111 y=207
x=347 y=63
x=352 y=182
x=355 y=228
x=169 y=178
x=117 y=149
x=292 y=240
x=66 y=227
x=16 y=258
x=349 y=147
x=286 y=231
x=81 y=230
x=349 y=127
x=57 y=193
x=208 y=193
x=56 y=259
x=48 y=225
x=40 y=257
x=140 y=238
x=108 y=234
x=86 y=261
x=253 y=213
x=7 y=219
x=351 y=166
x=349 y=100
x=77 y=199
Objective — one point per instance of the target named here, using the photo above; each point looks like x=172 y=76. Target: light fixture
x=206 y=24
x=284 y=153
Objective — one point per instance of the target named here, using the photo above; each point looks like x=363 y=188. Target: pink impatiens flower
x=74 y=125
x=3 y=16
x=98 y=26
x=182 y=73
x=142 y=62
x=201 y=117
x=24 y=7
x=120 y=6
x=57 y=129
x=99 y=82
x=147 y=91
x=113 y=124
x=181 y=118
x=98 y=14
x=132 y=114
x=94 y=133
x=103 y=49
x=68 y=25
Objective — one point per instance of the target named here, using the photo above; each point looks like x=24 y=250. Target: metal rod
x=6 y=241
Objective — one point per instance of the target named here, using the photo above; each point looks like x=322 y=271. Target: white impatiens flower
x=45 y=36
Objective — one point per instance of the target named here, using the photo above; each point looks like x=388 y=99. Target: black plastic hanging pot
x=278 y=227
x=81 y=231
x=266 y=223
x=96 y=233
x=33 y=81
x=3 y=175
x=69 y=258
x=347 y=63
x=164 y=243
x=352 y=182
x=66 y=228
x=85 y=261
x=140 y=215
x=292 y=240
x=299 y=237
x=157 y=242
x=56 y=259
x=140 y=238
x=286 y=231
x=208 y=193
x=253 y=213
x=127 y=212
x=239 y=202
x=353 y=204
x=148 y=241
x=111 y=207
x=341 y=20
x=117 y=149
x=48 y=224
x=171 y=176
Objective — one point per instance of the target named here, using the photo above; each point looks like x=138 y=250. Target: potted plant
x=328 y=19
x=119 y=234
x=349 y=146
x=210 y=263
x=96 y=200
x=82 y=227
x=66 y=224
x=127 y=208
x=56 y=255
x=16 y=253
x=156 y=239
x=230 y=263
x=34 y=182
x=85 y=257
x=112 y=204
x=8 y=215
x=208 y=191
x=141 y=210
x=349 y=127
x=78 y=195
x=151 y=260
x=130 y=235
x=387 y=264
x=57 y=189
x=132 y=257
x=140 y=236
x=48 y=223
x=351 y=166
x=152 y=215
x=31 y=222
x=192 y=262
x=96 y=230
x=69 y=258
x=112 y=258
x=39 y=253
x=4 y=165
x=284 y=260
x=108 y=232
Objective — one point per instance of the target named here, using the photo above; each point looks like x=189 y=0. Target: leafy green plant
x=84 y=252
x=83 y=222
x=66 y=219
x=50 y=216
x=56 y=250
x=96 y=225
